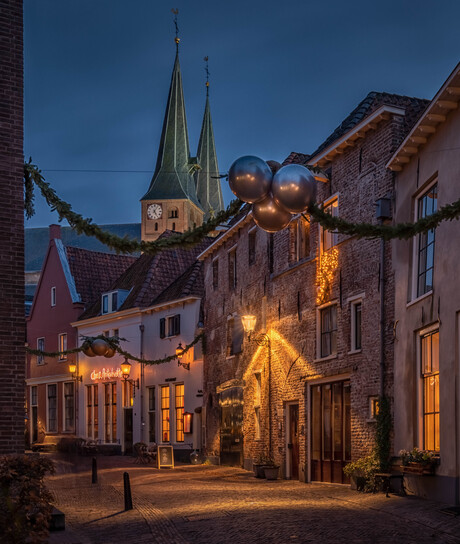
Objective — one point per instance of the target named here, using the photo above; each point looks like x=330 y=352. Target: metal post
x=94 y=471
x=127 y=492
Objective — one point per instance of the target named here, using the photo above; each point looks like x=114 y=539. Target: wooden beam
x=410 y=150
x=453 y=90
x=427 y=128
x=395 y=168
x=418 y=139
x=447 y=104
x=373 y=126
x=436 y=117
x=402 y=159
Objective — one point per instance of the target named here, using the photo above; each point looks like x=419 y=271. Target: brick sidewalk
x=213 y=505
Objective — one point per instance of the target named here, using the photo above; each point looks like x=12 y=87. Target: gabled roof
x=374 y=108
x=296 y=158
x=208 y=187
x=150 y=275
x=172 y=178
x=191 y=283
x=445 y=100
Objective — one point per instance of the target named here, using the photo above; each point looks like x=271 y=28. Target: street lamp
x=126 y=370
x=179 y=355
x=73 y=371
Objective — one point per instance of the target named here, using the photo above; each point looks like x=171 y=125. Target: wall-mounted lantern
x=188 y=422
x=73 y=371
x=126 y=370
x=179 y=355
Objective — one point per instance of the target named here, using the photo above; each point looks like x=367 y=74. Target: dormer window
x=113 y=300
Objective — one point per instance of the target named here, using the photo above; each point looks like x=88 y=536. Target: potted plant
x=271 y=469
x=259 y=466
x=362 y=472
x=418 y=461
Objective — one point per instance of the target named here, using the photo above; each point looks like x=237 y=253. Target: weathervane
x=176 y=39
x=206 y=68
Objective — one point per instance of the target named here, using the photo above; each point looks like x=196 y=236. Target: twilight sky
x=283 y=76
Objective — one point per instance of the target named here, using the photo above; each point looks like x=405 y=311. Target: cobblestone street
x=207 y=504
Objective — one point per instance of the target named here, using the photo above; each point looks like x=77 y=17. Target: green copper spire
x=207 y=178
x=172 y=178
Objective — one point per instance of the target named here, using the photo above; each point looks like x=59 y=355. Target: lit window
x=52 y=405
x=62 y=346
x=215 y=274
x=330 y=239
x=252 y=247
x=179 y=398
x=128 y=394
x=152 y=426
x=427 y=205
x=53 y=296
x=165 y=413
x=110 y=412
x=69 y=407
x=257 y=401
x=92 y=416
x=40 y=347
x=299 y=240
x=328 y=330
x=429 y=347
x=356 y=308
x=232 y=278
x=373 y=407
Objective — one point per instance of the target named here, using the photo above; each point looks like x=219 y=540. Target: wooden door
x=293 y=441
x=231 y=429
x=330 y=431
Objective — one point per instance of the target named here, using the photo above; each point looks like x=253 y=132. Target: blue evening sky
x=283 y=76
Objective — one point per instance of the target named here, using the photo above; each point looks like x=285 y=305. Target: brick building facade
x=12 y=326
x=302 y=389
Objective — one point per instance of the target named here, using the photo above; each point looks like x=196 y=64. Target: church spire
x=207 y=178
x=172 y=178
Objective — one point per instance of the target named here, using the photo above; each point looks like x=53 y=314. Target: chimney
x=55 y=232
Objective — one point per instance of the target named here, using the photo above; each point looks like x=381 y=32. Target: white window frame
x=47 y=409
x=319 y=310
x=122 y=295
x=334 y=235
x=416 y=241
x=41 y=358
x=63 y=336
x=64 y=425
x=53 y=296
x=169 y=322
x=353 y=313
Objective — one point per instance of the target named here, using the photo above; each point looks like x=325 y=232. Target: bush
x=365 y=467
x=25 y=502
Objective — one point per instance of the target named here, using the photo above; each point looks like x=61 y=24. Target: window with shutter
x=162 y=327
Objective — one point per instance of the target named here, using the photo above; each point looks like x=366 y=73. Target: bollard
x=127 y=492
x=94 y=472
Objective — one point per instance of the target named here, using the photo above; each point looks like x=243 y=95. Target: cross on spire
x=206 y=68
x=176 y=39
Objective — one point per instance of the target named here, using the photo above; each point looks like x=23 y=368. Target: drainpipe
x=142 y=328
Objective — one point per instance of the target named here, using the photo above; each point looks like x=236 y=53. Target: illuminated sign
x=106 y=374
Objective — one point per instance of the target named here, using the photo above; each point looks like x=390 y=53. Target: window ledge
x=354 y=351
x=426 y=295
x=328 y=358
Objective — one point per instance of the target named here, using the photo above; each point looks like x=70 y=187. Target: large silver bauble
x=250 y=178
x=87 y=350
x=99 y=346
x=269 y=216
x=110 y=352
x=294 y=188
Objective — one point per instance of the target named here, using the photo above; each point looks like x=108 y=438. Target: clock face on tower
x=154 y=211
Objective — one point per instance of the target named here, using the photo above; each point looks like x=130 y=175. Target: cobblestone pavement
x=207 y=504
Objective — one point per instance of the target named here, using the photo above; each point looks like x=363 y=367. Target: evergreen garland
x=114 y=343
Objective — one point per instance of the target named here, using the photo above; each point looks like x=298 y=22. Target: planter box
x=271 y=473
x=259 y=471
x=418 y=468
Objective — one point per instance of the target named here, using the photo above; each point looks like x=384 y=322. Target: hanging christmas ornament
x=294 y=188
x=269 y=216
x=87 y=349
x=110 y=352
x=99 y=346
x=250 y=178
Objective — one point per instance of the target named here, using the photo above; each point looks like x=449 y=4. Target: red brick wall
x=12 y=325
x=293 y=286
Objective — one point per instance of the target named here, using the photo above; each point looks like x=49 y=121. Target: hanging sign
x=165 y=456
x=106 y=374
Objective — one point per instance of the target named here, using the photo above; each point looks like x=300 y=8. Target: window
x=152 y=433
x=112 y=301
x=232 y=279
x=328 y=330
x=69 y=407
x=373 y=407
x=34 y=412
x=128 y=394
x=235 y=336
x=356 y=308
x=110 y=412
x=173 y=213
x=257 y=400
x=215 y=274
x=165 y=413
x=92 y=418
x=34 y=396
x=299 y=240
x=427 y=205
x=170 y=326
x=62 y=338
x=52 y=405
x=252 y=247
x=53 y=296
x=174 y=226
x=179 y=399
x=429 y=349
x=106 y=333
x=156 y=226
x=40 y=347
x=116 y=333
x=330 y=239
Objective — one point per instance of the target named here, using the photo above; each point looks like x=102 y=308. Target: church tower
x=207 y=177
x=171 y=201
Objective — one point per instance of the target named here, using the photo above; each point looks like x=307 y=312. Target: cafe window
x=51 y=426
x=69 y=406
x=152 y=414
x=92 y=416
x=165 y=413
x=179 y=400
x=110 y=412
x=128 y=394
